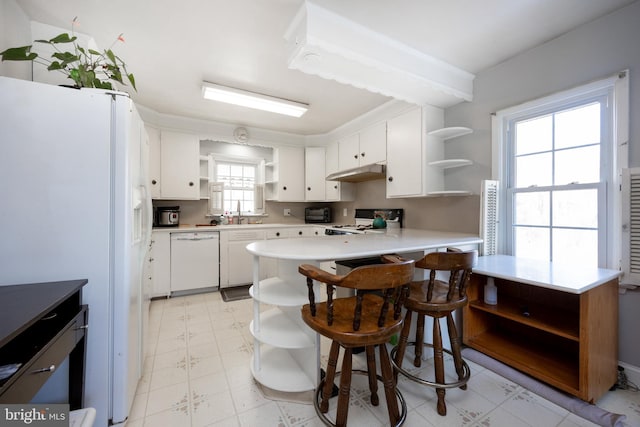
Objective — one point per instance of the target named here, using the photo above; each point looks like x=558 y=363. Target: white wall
x=14 y=31
x=590 y=52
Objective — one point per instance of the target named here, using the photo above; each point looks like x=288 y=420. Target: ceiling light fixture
x=248 y=99
x=325 y=44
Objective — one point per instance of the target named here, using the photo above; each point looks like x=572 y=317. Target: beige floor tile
x=168 y=376
x=204 y=345
x=175 y=417
x=173 y=397
x=212 y=408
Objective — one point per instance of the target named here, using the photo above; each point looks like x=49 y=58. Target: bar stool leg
x=371 y=370
x=455 y=348
x=417 y=362
x=439 y=365
x=402 y=343
x=389 y=385
x=330 y=376
x=345 y=386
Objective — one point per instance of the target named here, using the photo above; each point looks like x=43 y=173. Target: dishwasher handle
x=196 y=237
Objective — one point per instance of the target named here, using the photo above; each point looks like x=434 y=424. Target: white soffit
x=328 y=45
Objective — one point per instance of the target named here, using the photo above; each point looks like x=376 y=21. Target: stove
x=364 y=222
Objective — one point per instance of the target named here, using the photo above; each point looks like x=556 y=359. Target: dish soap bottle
x=490 y=292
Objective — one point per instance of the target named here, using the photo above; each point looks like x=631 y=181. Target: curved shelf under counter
x=275 y=369
x=277 y=291
x=279 y=329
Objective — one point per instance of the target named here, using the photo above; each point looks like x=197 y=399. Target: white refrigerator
x=74 y=204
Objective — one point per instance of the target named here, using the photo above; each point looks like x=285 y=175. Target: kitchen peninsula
x=286 y=352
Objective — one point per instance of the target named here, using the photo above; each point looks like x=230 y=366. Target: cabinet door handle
x=299 y=233
x=355 y=156
x=190 y=184
x=40 y=371
x=335 y=186
x=154 y=182
x=51 y=316
x=362 y=154
x=308 y=188
x=277 y=234
x=284 y=188
x=390 y=179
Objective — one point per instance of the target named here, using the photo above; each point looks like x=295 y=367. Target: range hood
x=327 y=45
x=359 y=174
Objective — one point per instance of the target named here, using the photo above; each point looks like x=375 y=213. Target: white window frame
x=258 y=184
x=616 y=89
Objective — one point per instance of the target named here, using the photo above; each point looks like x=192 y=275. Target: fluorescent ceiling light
x=248 y=99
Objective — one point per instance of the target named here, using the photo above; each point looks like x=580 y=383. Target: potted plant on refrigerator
x=86 y=67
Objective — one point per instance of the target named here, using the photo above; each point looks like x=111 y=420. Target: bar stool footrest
x=326 y=421
x=460 y=383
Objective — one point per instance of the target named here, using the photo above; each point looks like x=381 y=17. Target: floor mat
x=235 y=293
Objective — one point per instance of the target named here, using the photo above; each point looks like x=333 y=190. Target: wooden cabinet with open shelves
x=565 y=339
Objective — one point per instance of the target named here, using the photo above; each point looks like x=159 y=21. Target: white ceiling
x=172 y=46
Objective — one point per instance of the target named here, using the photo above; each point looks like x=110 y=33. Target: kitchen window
x=558 y=160
x=241 y=185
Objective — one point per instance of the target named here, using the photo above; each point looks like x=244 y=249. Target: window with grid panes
x=556 y=188
x=239 y=185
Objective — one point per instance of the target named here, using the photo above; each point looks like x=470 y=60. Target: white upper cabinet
x=373 y=144
x=366 y=147
x=179 y=166
x=336 y=191
x=154 y=161
x=405 y=155
x=285 y=176
x=314 y=173
x=416 y=161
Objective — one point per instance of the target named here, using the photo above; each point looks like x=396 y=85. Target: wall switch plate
x=287 y=212
x=344 y=212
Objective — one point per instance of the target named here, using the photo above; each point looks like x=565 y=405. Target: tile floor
x=198 y=375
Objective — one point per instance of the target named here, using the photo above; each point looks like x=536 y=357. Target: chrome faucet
x=239 y=213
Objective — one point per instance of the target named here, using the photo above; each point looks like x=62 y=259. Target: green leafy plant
x=86 y=67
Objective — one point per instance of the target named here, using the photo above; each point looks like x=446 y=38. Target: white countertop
x=329 y=248
x=191 y=227
x=567 y=278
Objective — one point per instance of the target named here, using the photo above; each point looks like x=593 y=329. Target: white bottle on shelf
x=490 y=292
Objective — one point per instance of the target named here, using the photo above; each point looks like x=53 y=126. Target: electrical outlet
x=344 y=212
x=287 y=212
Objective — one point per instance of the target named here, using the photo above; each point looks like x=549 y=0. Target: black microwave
x=317 y=215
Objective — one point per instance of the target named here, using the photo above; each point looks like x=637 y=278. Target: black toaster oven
x=317 y=215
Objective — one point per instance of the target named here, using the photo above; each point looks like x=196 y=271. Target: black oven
x=317 y=215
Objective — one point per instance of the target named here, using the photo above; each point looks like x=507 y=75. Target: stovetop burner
x=353 y=226
x=364 y=221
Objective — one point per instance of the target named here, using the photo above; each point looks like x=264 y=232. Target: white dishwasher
x=195 y=260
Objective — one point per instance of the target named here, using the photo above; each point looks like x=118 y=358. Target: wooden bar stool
x=365 y=320
x=437 y=299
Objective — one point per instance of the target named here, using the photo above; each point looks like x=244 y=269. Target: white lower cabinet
x=269 y=266
x=161 y=265
x=281 y=338
x=235 y=261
